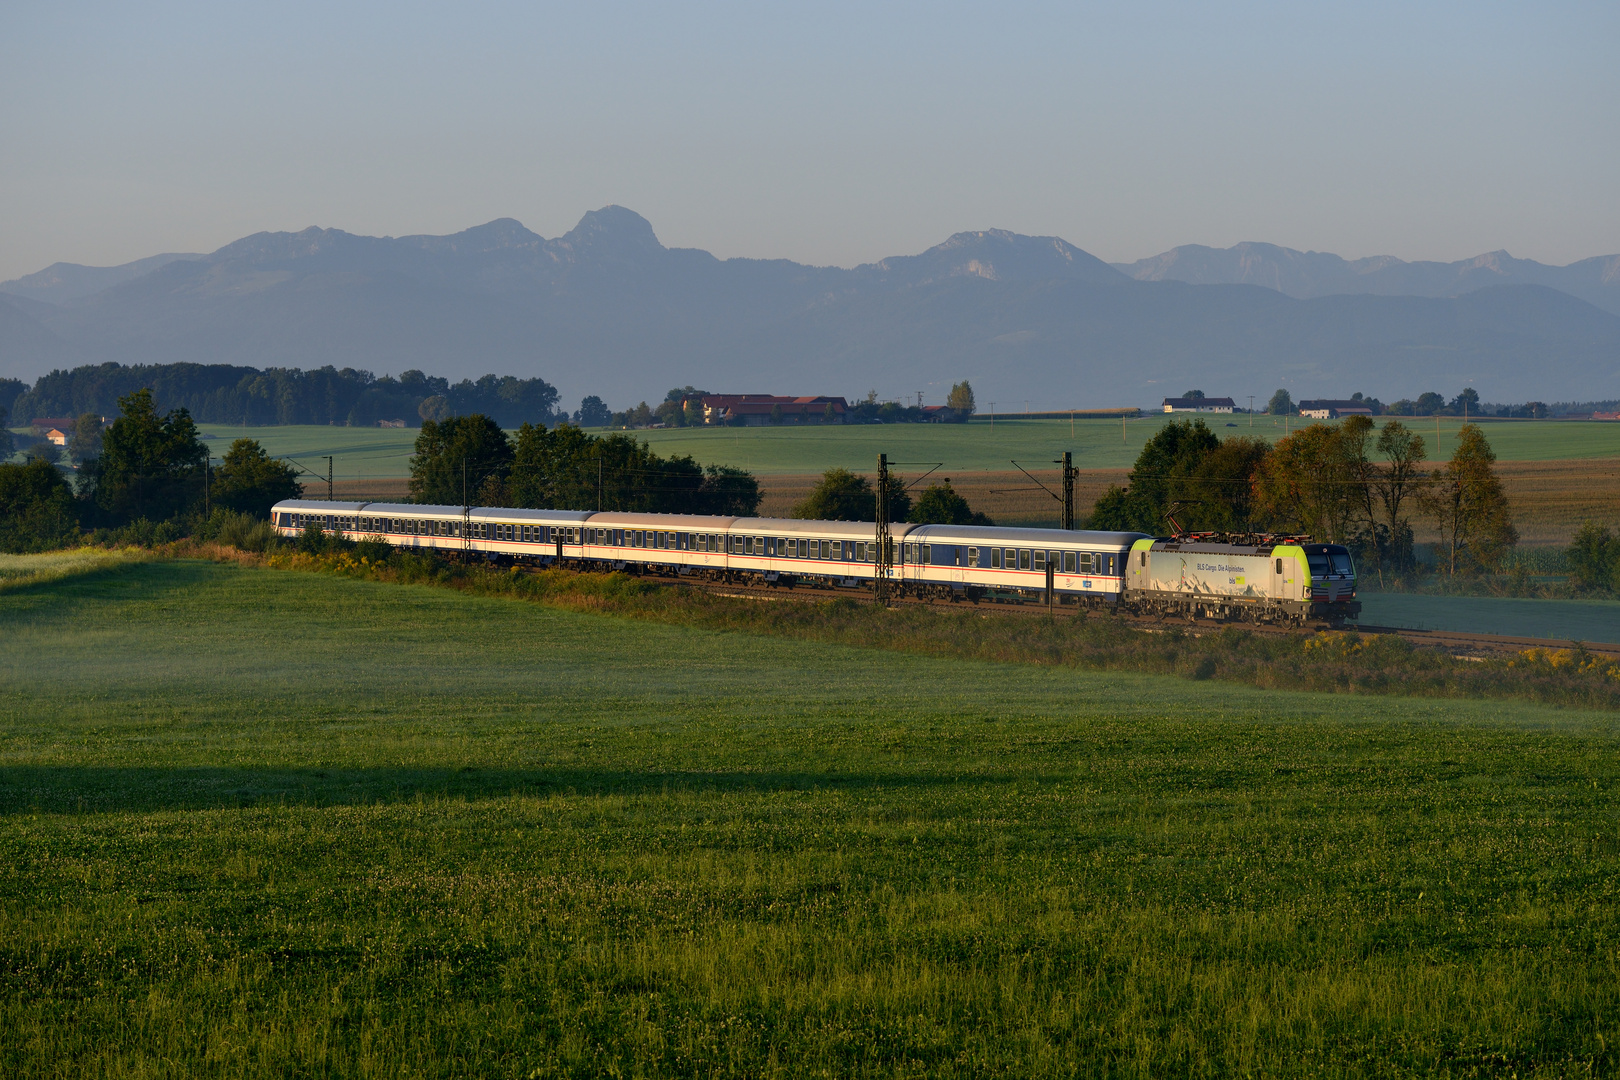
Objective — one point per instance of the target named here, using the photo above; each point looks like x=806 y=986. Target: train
x=1200 y=576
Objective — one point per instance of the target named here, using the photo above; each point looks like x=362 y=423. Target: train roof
x=995 y=534
x=696 y=522
x=857 y=530
x=323 y=506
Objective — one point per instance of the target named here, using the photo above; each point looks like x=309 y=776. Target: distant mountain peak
x=613 y=231
x=1000 y=255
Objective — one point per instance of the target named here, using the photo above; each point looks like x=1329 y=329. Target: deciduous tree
x=37 y=510
x=150 y=466
x=461 y=458
x=251 y=481
x=1470 y=506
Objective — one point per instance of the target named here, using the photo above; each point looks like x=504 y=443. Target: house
x=756 y=410
x=390 y=423
x=1327 y=409
x=1204 y=404
x=42 y=424
x=1606 y=416
x=57 y=436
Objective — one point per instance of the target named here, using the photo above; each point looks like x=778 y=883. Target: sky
x=832 y=133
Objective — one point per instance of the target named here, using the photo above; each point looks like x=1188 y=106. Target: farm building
x=756 y=410
x=1199 y=404
x=1326 y=409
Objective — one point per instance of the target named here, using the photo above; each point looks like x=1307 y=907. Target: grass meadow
x=260 y=822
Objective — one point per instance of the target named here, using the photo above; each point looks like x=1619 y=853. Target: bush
x=241 y=531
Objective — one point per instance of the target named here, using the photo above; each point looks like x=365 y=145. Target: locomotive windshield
x=1326 y=563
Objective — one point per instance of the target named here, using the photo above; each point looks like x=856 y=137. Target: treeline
x=469 y=460
x=145 y=477
x=226 y=394
x=1354 y=483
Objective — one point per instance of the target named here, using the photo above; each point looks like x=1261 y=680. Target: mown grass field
x=1575 y=620
x=268 y=822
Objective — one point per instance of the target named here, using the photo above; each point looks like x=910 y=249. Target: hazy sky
x=827 y=133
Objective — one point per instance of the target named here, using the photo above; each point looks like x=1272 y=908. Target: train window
x=973 y=557
x=1341 y=563
x=1143 y=560
x=1110 y=562
x=748 y=545
x=860 y=551
x=1279 y=566
x=1023 y=558
x=995 y=558
x=1040 y=560
x=1069 y=563
x=927 y=554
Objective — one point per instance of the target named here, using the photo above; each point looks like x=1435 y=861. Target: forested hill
x=231 y=394
x=606 y=309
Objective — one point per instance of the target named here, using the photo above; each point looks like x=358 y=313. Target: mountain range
x=607 y=309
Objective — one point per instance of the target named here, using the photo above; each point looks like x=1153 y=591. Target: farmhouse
x=1199 y=404
x=1327 y=409
x=756 y=410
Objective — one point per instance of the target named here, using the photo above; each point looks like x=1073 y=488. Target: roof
x=764 y=403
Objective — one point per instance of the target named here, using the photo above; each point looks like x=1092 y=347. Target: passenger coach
x=948 y=561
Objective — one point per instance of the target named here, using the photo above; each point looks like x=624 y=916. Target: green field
x=1574 y=620
x=275 y=823
x=370 y=453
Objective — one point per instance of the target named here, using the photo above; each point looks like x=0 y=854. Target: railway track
x=1454 y=642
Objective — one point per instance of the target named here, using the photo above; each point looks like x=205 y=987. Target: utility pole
x=207 y=461
x=880 y=570
x=1068 y=490
x=1251 y=410
x=1123 y=441
x=329 y=489
x=599 y=481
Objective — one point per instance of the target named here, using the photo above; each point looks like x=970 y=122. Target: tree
x=251 y=481
x=1281 y=404
x=1428 y=404
x=845 y=496
x=1159 y=481
x=776 y=415
x=1471 y=507
x=434 y=408
x=44 y=450
x=85 y=445
x=1594 y=559
x=593 y=412
x=566 y=469
x=36 y=508
x=1465 y=403
x=463 y=457
x=1399 y=479
x=1194 y=395
x=959 y=400
x=150 y=466
x=941 y=505
x=1312 y=483
x=8 y=446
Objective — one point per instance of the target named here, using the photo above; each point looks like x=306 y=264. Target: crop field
x=980 y=446
x=269 y=822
